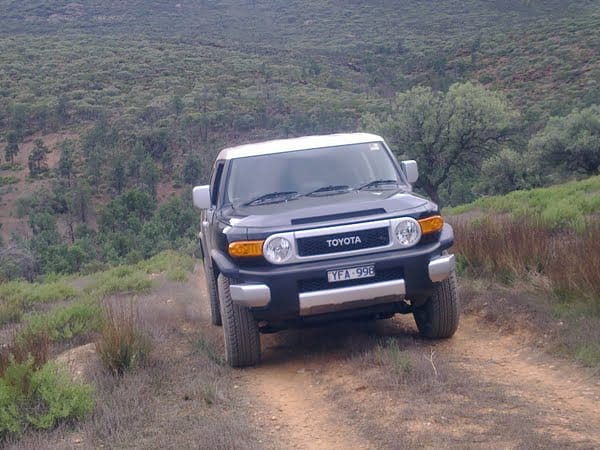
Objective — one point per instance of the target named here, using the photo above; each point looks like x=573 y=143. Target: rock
x=81 y=362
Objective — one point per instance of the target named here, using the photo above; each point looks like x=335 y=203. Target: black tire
x=213 y=296
x=242 y=341
x=438 y=317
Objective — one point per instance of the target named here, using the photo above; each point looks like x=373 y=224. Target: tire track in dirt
x=569 y=395
x=284 y=402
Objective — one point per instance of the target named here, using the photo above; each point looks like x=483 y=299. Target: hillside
x=148 y=92
x=110 y=111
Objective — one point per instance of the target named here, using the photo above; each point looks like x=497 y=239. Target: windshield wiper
x=331 y=189
x=377 y=183
x=273 y=197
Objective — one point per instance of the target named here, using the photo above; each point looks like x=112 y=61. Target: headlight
x=407 y=232
x=278 y=250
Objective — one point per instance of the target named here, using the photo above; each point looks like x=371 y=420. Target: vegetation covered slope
x=133 y=99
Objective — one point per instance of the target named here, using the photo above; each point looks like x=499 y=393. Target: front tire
x=438 y=317
x=242 y=341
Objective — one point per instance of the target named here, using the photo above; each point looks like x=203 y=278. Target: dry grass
x=401 y=361
x=122 y=345
x=551 y=281
x=567 y=262
x=22 y=348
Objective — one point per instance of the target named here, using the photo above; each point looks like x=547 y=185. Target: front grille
x=343 y=242
x=321 y=283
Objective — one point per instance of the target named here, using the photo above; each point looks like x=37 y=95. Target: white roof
x=294 y=144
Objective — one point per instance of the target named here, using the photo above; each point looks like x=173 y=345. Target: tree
x=192 y=170
x=504 y=172
x=117 y=177
x=447 y=133
x=66 y=163
x=12 y=146
x=570 y=143
x=149 y=176
x=38 y=158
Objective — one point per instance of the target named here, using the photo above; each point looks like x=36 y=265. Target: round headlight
x=408 y=232
x=278 y=250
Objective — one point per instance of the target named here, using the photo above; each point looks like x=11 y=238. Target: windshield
x=315 y=172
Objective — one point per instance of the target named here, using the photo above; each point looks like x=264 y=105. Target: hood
x=319 y=209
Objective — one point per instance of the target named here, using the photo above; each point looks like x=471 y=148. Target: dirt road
x=324 y=388
x=373 y=385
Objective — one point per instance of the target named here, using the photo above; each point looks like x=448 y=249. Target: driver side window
x=215 y=181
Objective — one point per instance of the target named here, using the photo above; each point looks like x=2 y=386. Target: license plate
x=353 y=273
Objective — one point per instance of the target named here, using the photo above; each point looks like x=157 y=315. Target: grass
x=393 y=362
x=202 y=345
x=31 y=347
x=122 y=345
x=568 y=263
x=177 y=274
x=564 y=206
x=17 y=297
x=120 y=280
x=37 y=394
x=4 y=181
x=168 y=260
x=552 y=277
x=136 y=278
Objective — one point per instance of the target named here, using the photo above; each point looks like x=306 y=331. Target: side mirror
x=410 y=170
x=201 y=196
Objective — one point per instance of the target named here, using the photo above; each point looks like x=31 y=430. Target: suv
x=320 y=228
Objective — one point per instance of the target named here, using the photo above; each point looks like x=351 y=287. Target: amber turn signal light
x=431 y=224
x=243 y=249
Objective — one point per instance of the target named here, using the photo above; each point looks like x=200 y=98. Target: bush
x=122 y=345
x=33 y=347
x=122 y=279
x=63 y=324
x=18 y=296
x=40 y=398
x=17 y=262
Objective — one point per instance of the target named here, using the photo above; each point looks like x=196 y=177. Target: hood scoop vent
x=346 y=215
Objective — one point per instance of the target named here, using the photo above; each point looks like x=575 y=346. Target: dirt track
x=483 y=390
x=334 y=387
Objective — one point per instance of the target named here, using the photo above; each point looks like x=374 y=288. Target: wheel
x=438 y=317
x=242 y=341
x=213 y=296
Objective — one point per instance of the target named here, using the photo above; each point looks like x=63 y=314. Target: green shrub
x=122 y=279
x=40 y=398
x=168 y=259
x=567 y=205
x=588 y=354
x=8 y=180
x=177 y=274
x=65 y=323
x=16 y=297
x=10 y=312
x=27 y=294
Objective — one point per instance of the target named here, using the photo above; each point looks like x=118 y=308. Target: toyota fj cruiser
x=320 y=228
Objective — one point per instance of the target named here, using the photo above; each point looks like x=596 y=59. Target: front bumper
x=298 y=291
x=258 y=295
